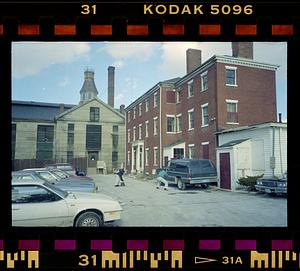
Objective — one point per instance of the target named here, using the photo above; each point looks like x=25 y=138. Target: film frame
x=61 y=248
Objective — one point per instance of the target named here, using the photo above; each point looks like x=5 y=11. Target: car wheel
x=180 y=184
x=204 y=185
x=89 y=219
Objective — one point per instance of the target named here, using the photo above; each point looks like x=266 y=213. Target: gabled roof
x=85 y=103
x=233 y=143
x=29 y=110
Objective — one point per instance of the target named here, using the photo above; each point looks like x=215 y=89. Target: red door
x=225 y=175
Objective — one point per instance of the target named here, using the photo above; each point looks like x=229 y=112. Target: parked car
x=272 y=186
x=63 y=166
x=184 y=172
x=67 y=185
x=65 y=175
x=38 y=203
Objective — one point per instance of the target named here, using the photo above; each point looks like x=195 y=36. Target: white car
x=37 y=203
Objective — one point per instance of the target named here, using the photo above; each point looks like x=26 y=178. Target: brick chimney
x=111 y=86
x=242 y=49
x=193 y=59
x=61 y=108
x=122 y=109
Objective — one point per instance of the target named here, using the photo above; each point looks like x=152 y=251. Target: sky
x=53 y=72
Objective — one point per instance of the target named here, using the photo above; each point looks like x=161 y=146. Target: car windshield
x=58 y=191
x=60 y=174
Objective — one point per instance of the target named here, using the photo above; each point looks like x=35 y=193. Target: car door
x=35 y=206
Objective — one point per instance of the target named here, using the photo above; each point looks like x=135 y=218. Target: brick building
x=180 y=117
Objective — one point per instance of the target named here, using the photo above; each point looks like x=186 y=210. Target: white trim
x=140 y=109
x=128 y=137
x=232 y=101
x=230 y=68
x=191 y=145
x=155 y=105
x=191 y=110
x=204 y=105
x=168 y=115
x=232 y=123
x=155 y=118
x=204 y=73
x=205 y=143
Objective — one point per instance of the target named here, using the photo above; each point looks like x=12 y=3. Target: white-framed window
x=204 y=113
x=231 y=76
x=147 y=105
x=191 y=148
x=140 y=109
x=128 y=116
x=155 y=99
x=147 y=156
x=128 y=136
x=204 y=81
x=140 y=131
x=178 y=123
x=191 y=119
x=147 y=128
x=155 y=126
x=134 y=134
x=232 y=111
x=171 y=124
x=128 y=158
x=190 y=88
x=155 y=156
x=178 y=96
x=134 y=113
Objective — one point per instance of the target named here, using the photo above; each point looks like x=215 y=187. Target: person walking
x=161 y=179
x=119 y=177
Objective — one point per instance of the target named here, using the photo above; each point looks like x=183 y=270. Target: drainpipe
x=272 y=160
x=160 y=127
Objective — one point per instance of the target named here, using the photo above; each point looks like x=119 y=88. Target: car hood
x=89 y=197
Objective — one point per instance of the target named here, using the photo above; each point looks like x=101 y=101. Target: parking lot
x=144 y=205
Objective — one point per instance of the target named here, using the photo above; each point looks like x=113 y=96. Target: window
x=128 y=158
x=204 y=81
x=134 y=113
x=155 y=163
x=70 y=157
x=94 y=114
x=191 y=151
x=147 y=156
x=231 y=76
x=32 y=194
x=190 y=89
x=147 y=105
x=13 y=140
x=140 y=131
x=114 y=157
x=155 y=99
x=205 y=150
x=115 y=136
x=140 y=109
x=93 y=137
x=170 y=124
x=128 y=136
x=70 y=135
x=179 y=122
x=232 y=113
x=134 y=134
x=191 y=119
x=147 y=128
x=128 y=116
x=45 y=137
x=178 y=96
x=204 y=109
x=155 y=125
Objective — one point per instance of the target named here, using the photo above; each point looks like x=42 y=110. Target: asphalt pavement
x=144 y=205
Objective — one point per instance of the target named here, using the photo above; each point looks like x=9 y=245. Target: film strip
x=282 y=253
x=143 y=30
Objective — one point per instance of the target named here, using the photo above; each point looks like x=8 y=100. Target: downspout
x=160 y=127
x=273 y=152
